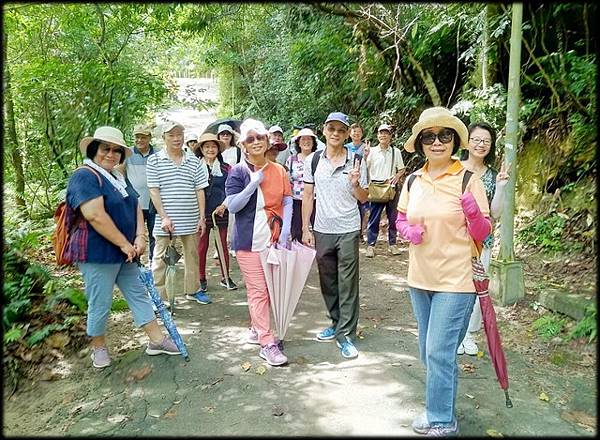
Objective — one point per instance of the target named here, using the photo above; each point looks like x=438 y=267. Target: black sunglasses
x=445 y=136
x=251 y=139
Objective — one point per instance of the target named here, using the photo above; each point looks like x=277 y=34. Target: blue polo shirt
x=84 y=186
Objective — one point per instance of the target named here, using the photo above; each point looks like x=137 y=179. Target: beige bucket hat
x=437 y=117
x=105 y=134
x=211 y=137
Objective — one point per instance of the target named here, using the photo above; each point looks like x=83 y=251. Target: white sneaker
x=460 y=349
x=469 y=345
x=370 y=252
x=394 y=249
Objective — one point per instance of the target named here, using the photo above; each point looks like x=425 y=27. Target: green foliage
x=549 y=326
x=545 y=232
x=41 y=334
x=119 y=305
x=13 y=334
x=587 y=327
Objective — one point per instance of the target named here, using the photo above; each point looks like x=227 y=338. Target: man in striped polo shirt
x=177 y=181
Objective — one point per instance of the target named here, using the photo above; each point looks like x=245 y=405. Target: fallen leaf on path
x=277 y=411
x=479 y=354
x=543 y=396
x=170 y=414
x=246 y=366
x=176 y=402
x=468 y=368
x=261 y=370
x=493 y=433
x=469 y=396
x=140 y=373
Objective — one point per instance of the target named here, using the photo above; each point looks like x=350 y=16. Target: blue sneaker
x=326 y=335
x=200 y=297
x=349 y=351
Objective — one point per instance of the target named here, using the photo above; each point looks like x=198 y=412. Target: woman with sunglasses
x=441 y=222
x=259 y=193
x=107 y=242
x=479 y=157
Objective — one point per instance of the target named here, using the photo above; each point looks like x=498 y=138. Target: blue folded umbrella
x=148 y=280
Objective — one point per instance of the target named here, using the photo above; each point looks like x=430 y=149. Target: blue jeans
x=376 y=209
x=99 y=281
x=442 y=319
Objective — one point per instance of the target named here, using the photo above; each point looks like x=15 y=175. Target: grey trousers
x=337 y=260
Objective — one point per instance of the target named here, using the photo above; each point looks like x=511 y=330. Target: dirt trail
x=318 y=393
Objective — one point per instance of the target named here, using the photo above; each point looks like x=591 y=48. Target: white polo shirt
x=380 y=165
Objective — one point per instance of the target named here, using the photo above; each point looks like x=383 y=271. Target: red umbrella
x=482 y=281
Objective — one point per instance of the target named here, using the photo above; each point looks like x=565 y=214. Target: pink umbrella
x=286 y=271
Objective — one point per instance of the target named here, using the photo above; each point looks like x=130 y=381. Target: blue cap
x=338 y=116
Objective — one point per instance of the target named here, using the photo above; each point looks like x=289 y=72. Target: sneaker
x=349 y=351
x=100 y=357
x=469 y=345
x=460 y=349
x=326 y=335
x=443 y=430
x=200 y=297
x=203 y=286
x=232 y=285
x=167 y=346
x=370 y=252
x=232 y=253
x=252 y=336
x=273 y=355
x=394 y=249
x=420 y=425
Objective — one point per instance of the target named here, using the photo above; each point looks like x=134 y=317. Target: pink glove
x=478 y=225
x=412 y=233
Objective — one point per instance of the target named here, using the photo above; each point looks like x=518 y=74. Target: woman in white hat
x=441 y=222
x=258 y=192
x=108 y=241
x=209 y=150
x=305 y=142
x=232 y=154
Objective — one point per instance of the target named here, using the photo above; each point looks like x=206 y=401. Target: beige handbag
x=381 y=191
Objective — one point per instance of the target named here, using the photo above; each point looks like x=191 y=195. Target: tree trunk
x=11 y=128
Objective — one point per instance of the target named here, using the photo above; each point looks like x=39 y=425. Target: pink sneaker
x=273 y=355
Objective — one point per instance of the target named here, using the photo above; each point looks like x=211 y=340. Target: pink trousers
x=258 y=295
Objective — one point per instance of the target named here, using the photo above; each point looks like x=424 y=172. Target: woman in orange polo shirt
x=441 y=222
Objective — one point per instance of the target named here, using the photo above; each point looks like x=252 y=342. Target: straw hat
x=142 y=129
x=211 y=137
x=437 y=117
x=105 y=134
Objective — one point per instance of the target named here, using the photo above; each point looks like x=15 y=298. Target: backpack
x=67 y=222
x=317 y=156
x=465 y=181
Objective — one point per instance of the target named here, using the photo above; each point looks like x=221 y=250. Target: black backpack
x=465 y=180
x=317 y=156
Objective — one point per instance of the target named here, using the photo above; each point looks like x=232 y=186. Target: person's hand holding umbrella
x=166 y=224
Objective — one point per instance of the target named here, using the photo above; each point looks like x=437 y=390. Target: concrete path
x=318 y=393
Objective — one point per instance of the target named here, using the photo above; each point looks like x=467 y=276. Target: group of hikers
x=320 y=192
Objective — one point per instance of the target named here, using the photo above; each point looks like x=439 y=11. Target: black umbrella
x=214 y=126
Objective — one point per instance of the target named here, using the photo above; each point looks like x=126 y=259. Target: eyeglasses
x=251 y=139
x=477 y=141
x=444 y=136
x=107 y=150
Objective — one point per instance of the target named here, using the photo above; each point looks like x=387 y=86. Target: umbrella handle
x=508 y=401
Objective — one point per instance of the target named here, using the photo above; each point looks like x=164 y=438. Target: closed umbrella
x=481 y=281
x=286 y=271
x=148 y=280
x=171 y=257
x=220 y=251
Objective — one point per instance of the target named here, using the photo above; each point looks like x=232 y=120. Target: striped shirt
x=178 y=186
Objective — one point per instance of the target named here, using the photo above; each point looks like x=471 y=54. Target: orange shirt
x=442 y=262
